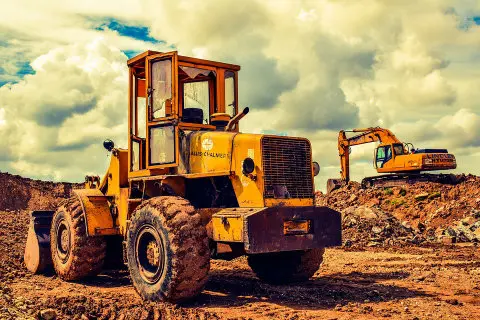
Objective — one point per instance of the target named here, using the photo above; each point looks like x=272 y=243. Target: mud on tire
x=167 y=250
x=286 y=267
x=74 y=255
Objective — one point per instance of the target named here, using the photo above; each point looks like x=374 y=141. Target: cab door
x=383 y=158
x=162 y=115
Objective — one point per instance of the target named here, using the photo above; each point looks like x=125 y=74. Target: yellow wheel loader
x=189 y=188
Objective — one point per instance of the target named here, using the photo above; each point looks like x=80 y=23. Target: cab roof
x=141 y=57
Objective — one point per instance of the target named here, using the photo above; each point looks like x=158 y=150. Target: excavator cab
x=383 y=154
x=386 y=152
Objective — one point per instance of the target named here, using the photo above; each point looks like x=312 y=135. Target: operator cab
x=170 y=94
x=385 y=153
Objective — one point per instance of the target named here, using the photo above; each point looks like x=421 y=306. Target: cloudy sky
x=309 y=68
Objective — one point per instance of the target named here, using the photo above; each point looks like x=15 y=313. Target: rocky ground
x=412 y=214
x=381 y=272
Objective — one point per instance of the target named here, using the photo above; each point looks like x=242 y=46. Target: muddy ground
x=436 y=282
x=372 y=277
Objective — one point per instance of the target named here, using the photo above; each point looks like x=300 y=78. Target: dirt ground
x=436 y=282
x=372 y=277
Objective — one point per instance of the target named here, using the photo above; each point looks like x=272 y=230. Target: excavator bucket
x=333 y=184
x=37 y=255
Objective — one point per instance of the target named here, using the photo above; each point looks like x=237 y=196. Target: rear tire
x=74 y=254
x=286 y=267
x=167 y=250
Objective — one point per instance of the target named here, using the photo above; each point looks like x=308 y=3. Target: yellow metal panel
x=249 y=190
x=228 y=224
x=228 y=229
x=123 y=214
x=210 y=152
x=97 y=212
x=117 y=173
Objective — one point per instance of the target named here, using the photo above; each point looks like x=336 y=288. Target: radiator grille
x=287 y=168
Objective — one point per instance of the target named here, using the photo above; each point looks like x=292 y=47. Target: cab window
x=162 y=145
x=197 y=88
x=230 y=103
x=383 y=155
x=398 y=148
x=161 y=88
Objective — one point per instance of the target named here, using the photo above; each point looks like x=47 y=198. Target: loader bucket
x=37 y=255
x=333 y=184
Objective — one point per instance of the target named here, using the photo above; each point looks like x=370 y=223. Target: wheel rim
x=149 y=254
x=63 y=240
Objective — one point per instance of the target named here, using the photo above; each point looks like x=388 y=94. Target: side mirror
x=109 y=145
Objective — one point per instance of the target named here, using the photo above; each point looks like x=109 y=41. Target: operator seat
x=193 y=115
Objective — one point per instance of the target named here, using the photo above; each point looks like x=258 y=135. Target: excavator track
x=395 y=180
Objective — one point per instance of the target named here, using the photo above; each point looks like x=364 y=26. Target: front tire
x=74 y=254
x=286 y=267
x=167 y=250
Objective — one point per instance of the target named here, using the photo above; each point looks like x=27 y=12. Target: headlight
x=248 y=165
x=316 y=168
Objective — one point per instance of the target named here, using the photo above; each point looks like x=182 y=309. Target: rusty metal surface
x=265 y=229
x=37 y=255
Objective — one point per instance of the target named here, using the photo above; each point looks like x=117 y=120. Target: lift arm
x=364 y=136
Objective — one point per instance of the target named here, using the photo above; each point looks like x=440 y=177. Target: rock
x=352 y=198
x=447 y=240
x=465 y=231
x=439 y=232
x=476 y=233
x=421 y=227
x=48 y=314
x=366 y=213
x=468 y=221
x=377 y=230
x=421 y=196
x=406 y=225
x=374 y=244
x=452 y=301
x=451 y=232
x=434 y=195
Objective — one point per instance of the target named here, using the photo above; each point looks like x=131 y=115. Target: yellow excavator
x=189 y=187
x=400 y=162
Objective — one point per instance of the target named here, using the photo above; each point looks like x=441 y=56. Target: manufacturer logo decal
x=207 y=144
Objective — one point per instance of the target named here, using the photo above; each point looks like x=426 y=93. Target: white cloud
x=309 y=68
x=77 y=97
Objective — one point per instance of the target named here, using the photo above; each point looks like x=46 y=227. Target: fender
x=97 y=212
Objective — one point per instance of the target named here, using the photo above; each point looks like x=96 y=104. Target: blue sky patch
x=126 y=30
x=468 y=22
x=131 y=53
x=24 y=69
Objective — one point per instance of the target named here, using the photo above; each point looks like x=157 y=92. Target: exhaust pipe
x=231 y=124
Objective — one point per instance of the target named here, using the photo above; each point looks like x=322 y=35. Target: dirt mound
x=18 y=193
x=420 y=212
